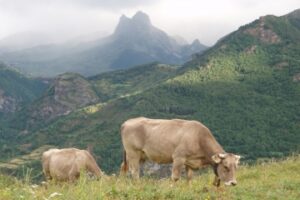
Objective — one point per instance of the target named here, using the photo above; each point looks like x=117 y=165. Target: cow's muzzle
x=231 y=183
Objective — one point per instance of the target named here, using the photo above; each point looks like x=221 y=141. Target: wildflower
x=54 y=194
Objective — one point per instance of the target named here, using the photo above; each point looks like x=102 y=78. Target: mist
x=59 y=21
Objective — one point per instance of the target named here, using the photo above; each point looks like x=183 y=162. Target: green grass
x=120 y=83
x=271 y=180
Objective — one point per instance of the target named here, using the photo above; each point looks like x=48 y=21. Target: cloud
x=206 y=20
x=103 y=4
x=63 y=18
x=114 y=4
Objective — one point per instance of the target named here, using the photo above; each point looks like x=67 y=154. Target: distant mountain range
x=135 y=41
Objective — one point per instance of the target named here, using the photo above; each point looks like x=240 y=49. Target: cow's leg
x=134 y=166
x=216 y=181
x=189 y=173
x=74 y=173
x=47 y=175
x=46 y=169
x=177 y=165
x=217 y=178
x=134 y=163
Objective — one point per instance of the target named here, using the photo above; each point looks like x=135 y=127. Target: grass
x=25 y=159
x=271 y=180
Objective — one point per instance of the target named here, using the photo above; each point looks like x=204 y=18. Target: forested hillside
x=68 y=93
x=16 y=89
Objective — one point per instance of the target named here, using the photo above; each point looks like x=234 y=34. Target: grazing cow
x=181 y=142
x=66 y=164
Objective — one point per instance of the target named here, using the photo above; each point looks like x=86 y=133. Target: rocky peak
x=7 y=104
x=139 y=23
x=190 y=49
x=263 y=32
x=124 y=18
x=141 y=18
x=294 y=14
x=73 y=90
x=68 y=92
x=196 y=43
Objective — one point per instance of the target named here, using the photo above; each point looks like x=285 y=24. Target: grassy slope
x=274 y=180
x=111 y=85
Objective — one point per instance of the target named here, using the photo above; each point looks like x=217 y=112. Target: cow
x=183 y=143
x=66 y=164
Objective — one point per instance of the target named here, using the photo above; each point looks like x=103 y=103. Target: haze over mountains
x=135 y=41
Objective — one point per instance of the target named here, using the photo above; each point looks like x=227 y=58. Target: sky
x=206 y=20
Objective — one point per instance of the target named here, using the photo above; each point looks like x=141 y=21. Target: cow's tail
x=124 y=165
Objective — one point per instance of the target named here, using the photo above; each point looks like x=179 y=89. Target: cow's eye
x=226 y=168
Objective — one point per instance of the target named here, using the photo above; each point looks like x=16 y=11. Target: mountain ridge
x=135 y=41
x=16 y=90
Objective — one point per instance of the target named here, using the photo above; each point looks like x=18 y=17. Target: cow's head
x=226 y=165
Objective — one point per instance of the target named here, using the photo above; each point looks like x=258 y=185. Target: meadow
x=265 y=180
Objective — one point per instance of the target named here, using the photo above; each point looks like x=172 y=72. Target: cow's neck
x=211 y=147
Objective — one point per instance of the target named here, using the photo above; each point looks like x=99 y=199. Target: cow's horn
x=216 y=158
x=222 y=155
x=237 y=157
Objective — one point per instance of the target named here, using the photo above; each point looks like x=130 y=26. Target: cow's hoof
x=175 y=179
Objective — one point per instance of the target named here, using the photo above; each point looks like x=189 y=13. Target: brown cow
x=66 y=164
x=181 y=142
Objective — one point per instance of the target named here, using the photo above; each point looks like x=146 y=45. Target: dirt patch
x=266 y=35
x=250 y=50
x=296 y=77
x=282 y=65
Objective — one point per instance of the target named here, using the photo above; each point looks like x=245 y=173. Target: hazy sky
x=206 y=20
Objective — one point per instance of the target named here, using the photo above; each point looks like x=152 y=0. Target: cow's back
x=66 y=161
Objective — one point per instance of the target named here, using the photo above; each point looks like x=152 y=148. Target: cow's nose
x=233 y=183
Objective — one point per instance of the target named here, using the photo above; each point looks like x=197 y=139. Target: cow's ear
x=216 y=158
x=237 y=159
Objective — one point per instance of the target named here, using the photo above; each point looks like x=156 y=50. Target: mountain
x=16 y=90
x=24 y=40
x=246 y=89
x=135 y=41
x=69 y=92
